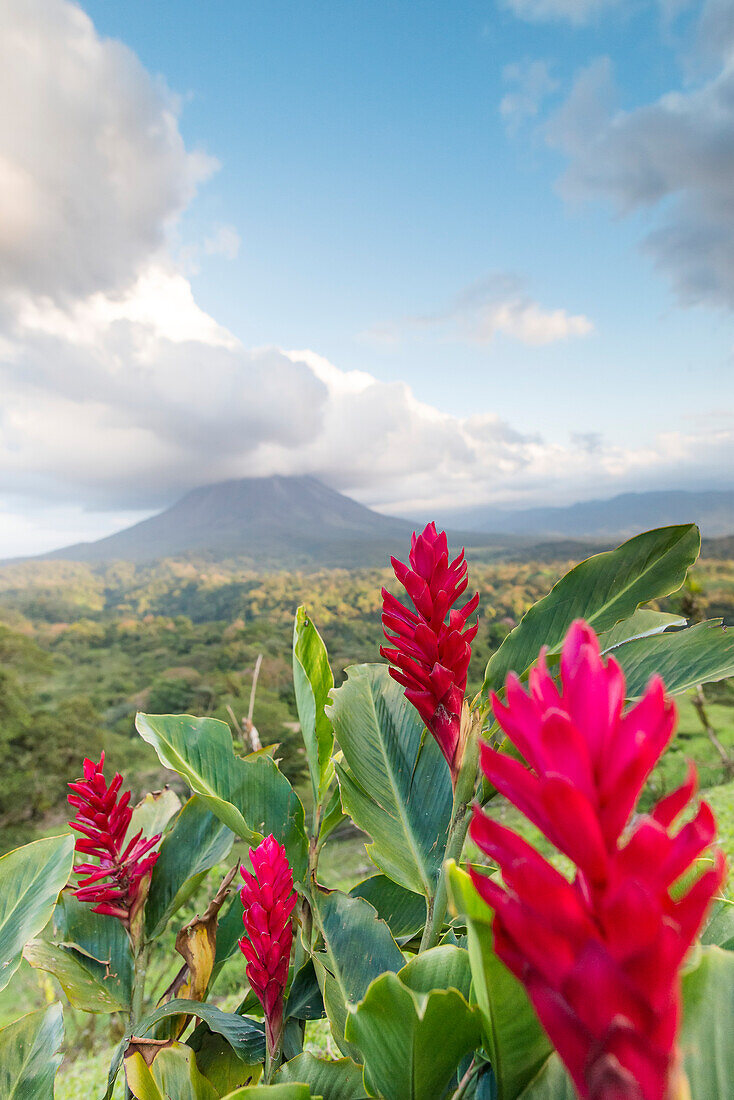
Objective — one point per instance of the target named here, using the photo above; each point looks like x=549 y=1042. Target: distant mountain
x=275 y=522
x=619 y=517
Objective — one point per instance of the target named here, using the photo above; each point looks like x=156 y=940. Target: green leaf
x=251 y=797
x=196 y=841
x=396 y=787
x=357 y=947
x=552 y=1083
x=245 y=1036
x=707 y=1035
x=603 y=590
x=719 y=928
x=29 y=1055
x=174 y=1075
x=333 y=815
x=304 y=997
x=403 y=911
x=31 y=879
x=229 y=932
x=684 y=659
x=90 y=956
x=153 y=813
x=312 y=681
x=443 y=967
x=412 y=1040
x=218 y=1061
x=273 y=1092
x=642 y=624
x=340 y=1080
x=513 y=1038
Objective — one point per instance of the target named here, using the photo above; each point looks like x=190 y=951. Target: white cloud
x=496 y=305
x=224 y=241
x=93 y=169
x=672 y=159
x=531 y=83
x=576 y=12
x=120 y=392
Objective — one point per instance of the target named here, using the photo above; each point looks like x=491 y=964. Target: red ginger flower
x=431 y=657
x=599 y=957
x=114 y=884
x=268 y=899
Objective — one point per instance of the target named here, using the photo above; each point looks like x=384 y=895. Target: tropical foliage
x=517 y=977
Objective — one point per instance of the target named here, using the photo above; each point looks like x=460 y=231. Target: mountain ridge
x=615 y=517
x=277 y=522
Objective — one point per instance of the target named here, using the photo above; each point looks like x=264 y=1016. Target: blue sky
x=512 y=215
x=371 y=176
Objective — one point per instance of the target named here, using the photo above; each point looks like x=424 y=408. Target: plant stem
x=437 y=905
x=140 y=966
x=138 y=994
x=463 y=794
x=466 y=1081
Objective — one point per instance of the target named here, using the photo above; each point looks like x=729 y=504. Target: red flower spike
x=114 y=883
x=268 y=899
x=599 y=956
x=430 y=657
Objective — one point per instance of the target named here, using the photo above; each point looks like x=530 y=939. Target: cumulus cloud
x=531 y=83
x=93 y=168
x=224 y=241
x=120 y=392
x=576 y=12
x=497 y=304
x=672 y=159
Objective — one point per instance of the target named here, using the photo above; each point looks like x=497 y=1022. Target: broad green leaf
x=443 y=967
x=603 y=590
x=251 y=797
x=357 y=947
x=395 y=783
x=304 y=997
x=411 y=1042
x=552 y=1083
x=312 y=681
x=707 y=1035
x=29 y=1055
x=90 y=956
x=642 y=624
x=513 y=1038
x=706 y=1038
x=245 y=1036
x=719 y=928
x=191 y=847
x=685 y=658
x=219 y=1063
x=174 y=1075
x=333 y=815
x=273 y=1092
x=229 y=932
x=31 y=879
x=340 y=1080
x=403 y=911
x=153 y=813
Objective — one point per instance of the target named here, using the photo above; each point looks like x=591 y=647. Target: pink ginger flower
x=114 y=884
x=430 y=655
x=599 y=957
x=268 y=899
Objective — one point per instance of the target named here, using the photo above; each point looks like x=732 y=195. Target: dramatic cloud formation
x=93 y=169
x=120 y=392
x=673 y=158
